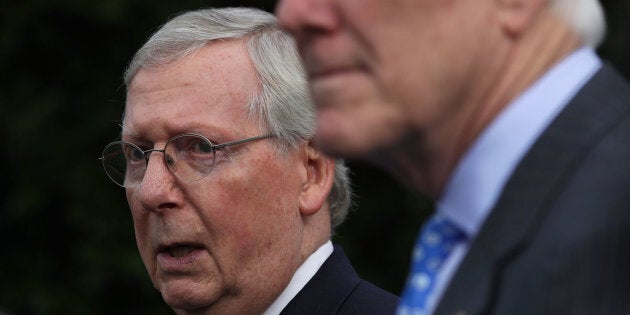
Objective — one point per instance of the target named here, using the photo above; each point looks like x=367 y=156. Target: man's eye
x=134 y=154
x=203 y=147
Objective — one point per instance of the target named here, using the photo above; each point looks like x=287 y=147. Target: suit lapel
x=328 y=289
x=525 y=200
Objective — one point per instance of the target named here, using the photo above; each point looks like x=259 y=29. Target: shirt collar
x=301 y=277
x=478 y=179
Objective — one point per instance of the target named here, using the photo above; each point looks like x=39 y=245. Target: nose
x=158 y=189
x=300 y=17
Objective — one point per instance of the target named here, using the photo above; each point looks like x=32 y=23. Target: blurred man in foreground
x=502 y=113
x=233 y=206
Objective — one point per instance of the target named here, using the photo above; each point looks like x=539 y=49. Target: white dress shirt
x=302 y=276
x=478 y=180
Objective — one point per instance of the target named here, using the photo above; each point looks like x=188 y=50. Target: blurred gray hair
x=586 y=17
x=282 y=105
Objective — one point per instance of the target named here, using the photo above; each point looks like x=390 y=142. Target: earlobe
x=319 y=178
x=516 y=16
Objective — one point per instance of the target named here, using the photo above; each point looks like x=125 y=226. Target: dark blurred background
x=68 y=244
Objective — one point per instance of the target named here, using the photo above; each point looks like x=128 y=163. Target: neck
x=316 y=232
x=425 y=159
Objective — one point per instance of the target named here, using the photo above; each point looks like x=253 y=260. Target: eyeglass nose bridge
x=167 y=158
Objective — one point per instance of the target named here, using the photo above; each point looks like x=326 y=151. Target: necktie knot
x=436 y=241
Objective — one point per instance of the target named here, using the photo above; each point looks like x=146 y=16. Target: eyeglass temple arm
x=227 y=144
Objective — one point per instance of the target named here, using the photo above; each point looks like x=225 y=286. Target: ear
x=516 y=16
x=320 y=172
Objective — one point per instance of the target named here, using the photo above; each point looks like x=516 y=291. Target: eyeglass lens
x=189 y=157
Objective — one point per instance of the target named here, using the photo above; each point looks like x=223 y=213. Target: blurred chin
x=340 y=137
x=184 y=298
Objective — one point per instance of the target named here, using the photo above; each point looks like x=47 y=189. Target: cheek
x=249 y=206
x=140 y=219
x=142 y=235
x=251 y=229
x=245 y=205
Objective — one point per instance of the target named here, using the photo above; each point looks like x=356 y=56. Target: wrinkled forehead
x=214 y=86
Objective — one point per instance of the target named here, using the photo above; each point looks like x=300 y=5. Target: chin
x=340 y=145
x=353 y=143
x=336 y=137
x=359 y=130
x=188 y=299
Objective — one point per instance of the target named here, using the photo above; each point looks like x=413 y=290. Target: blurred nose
x=300 y=17
x=157 y=191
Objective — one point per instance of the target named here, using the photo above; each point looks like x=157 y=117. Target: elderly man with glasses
x=233 y=206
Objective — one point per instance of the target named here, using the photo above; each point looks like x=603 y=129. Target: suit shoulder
x=367 y=298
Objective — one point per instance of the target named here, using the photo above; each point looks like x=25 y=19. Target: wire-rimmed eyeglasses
x=188 y=156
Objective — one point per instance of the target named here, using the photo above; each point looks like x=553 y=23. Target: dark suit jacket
x=337 y=289
x=558 y=240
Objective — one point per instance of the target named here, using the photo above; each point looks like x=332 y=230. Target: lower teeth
x=180 y=251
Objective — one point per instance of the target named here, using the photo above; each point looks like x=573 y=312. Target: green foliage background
x=68 y=243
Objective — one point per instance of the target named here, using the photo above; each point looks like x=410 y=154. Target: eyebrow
x=216 y=135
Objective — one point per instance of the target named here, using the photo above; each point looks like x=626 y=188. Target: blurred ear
x=320 y=172
x=516 y=16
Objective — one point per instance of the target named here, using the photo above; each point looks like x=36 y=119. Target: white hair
x=282 y=105
x=586 y=17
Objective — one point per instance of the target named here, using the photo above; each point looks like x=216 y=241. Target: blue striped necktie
x=436 y=241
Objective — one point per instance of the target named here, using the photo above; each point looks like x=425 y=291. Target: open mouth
x=179 y=250
x=179 y=257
